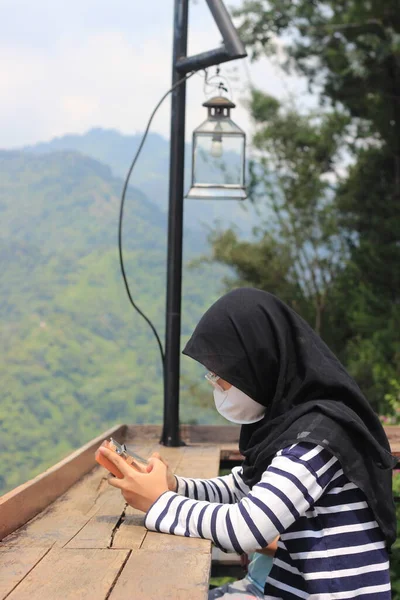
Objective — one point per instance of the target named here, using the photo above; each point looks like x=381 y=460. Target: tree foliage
x=349 y=53
x=298 y=161
x=344 y=163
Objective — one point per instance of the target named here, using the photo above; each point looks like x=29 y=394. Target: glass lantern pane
x=226 y=125
x=218 y=160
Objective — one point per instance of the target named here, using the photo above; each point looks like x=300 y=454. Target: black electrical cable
x=121 y=213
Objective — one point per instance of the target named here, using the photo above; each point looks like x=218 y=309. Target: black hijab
x=262 y=347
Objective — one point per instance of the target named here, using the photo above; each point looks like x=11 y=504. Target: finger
x=157 y=464
x=138 y=466
x=118 y=461
x=117 y=483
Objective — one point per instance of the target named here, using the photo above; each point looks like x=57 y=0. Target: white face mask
x=237 y=407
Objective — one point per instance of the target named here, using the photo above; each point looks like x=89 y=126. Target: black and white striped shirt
x=330 y=545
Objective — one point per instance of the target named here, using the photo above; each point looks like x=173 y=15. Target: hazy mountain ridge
x=76 y=357
x=151 y=173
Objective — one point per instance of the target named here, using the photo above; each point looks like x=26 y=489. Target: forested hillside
x=75 y=357
x=151 y=174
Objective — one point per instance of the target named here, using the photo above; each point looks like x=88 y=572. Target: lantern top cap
x=219 y=102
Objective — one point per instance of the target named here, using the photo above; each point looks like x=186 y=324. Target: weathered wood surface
x=101 y=527
x=152 y=575
x=212 y=434
x=15 y=564
x=87 y=544
x=72 y=575
x=29 y=499
x=60 y=522
x=80 y=547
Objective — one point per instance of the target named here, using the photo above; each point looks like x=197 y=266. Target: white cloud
x=103 y=76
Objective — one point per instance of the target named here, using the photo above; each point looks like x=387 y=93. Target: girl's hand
x=140 y=490
x=172 y=482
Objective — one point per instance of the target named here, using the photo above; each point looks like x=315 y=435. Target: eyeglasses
x=213 y=379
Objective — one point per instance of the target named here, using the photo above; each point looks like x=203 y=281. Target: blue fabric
x=258 y=570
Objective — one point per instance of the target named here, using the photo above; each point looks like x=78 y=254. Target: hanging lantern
x=218 y=155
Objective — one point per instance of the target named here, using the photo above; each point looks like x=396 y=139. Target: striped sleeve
x=225 y=490
x=295 y=479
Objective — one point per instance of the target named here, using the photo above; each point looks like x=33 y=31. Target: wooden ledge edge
x=23 y=503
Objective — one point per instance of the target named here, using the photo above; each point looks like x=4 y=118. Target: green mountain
x=116 y=150
x=151 y=173
x=76 y=357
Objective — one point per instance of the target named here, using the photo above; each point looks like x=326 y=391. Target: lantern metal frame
x=219 y=113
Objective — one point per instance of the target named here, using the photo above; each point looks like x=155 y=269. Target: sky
x=69 y=66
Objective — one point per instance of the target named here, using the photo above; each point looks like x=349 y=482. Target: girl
x=317 y=470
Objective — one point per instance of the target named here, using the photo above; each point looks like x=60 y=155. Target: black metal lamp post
x=181 y=65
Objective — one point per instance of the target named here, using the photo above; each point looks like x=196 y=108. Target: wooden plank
x=156 y=576
x=200 y=461
x=27 y=500
x=131 y=532
x=72 y=575
x=173 y=456
x=15 y=564
x=57 y=524
x=97 y=533
x=101 y=530
x=215 y=434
